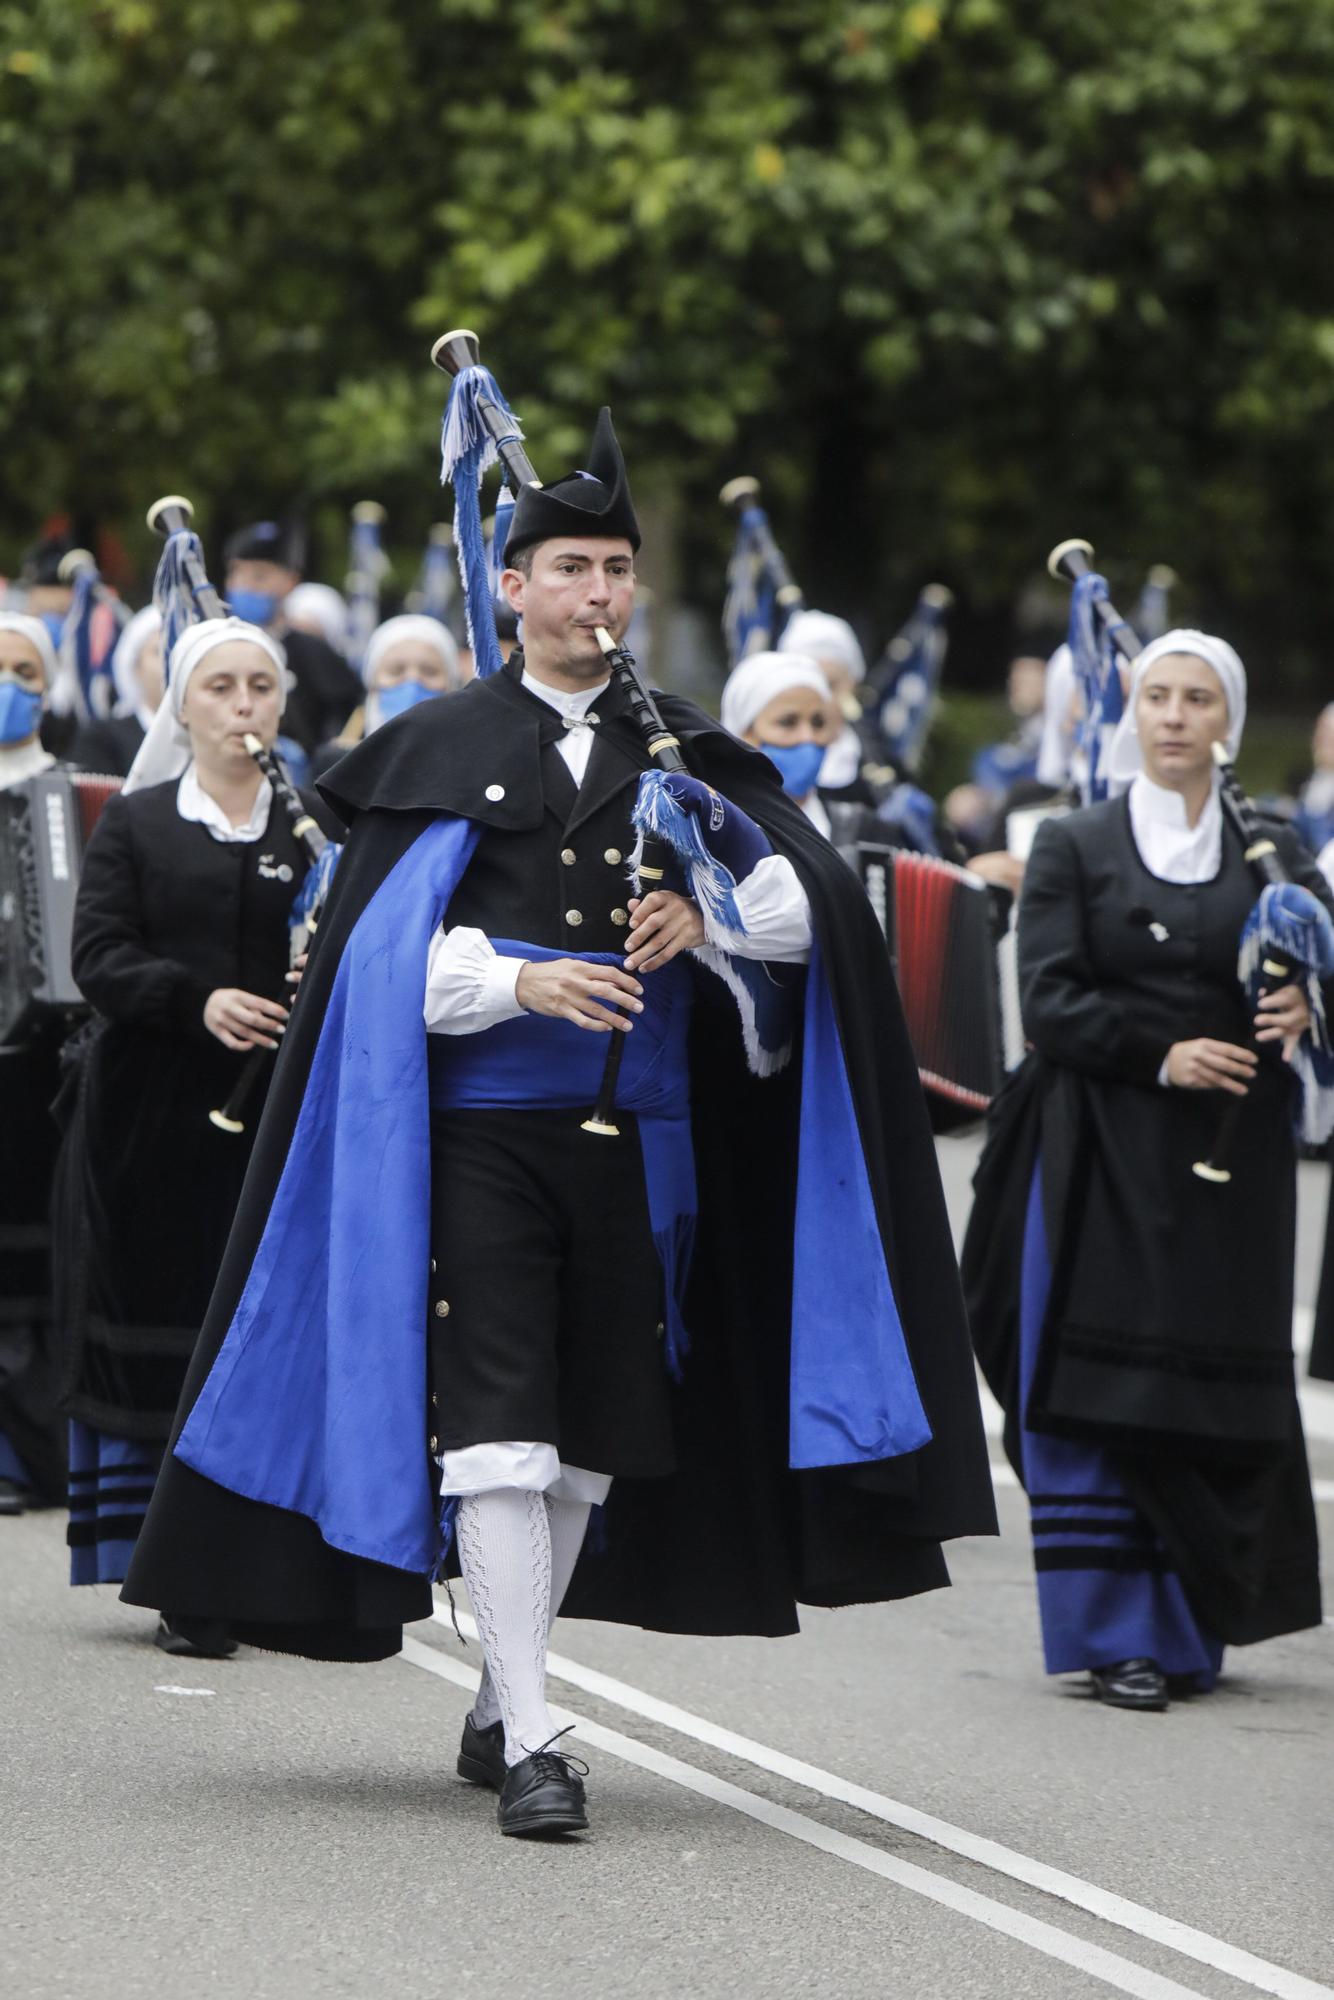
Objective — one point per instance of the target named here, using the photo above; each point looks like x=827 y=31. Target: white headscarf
x=822 y=636
x=142 y=627
x=324 y=606
x=759 y=680
x=165 y=750
x=1126 y=759
x=424 y=631
x=36 y=633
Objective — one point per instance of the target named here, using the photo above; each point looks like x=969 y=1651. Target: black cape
x=734 y=1540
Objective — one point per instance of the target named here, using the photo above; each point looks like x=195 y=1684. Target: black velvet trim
x=126 y=1496
x=1126 y=1562
x=112 y=1528
x=1171 y=1358
x=1090 y=1524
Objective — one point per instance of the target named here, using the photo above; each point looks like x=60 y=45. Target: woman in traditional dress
x=181 y=947
x=409 y=659
x=111 y=743
x=1133 y=1318
x=32 y=1457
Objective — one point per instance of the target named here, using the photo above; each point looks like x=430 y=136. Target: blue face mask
x=20 y=712
x=403 y=695
x=255 y=606
x=798 y=765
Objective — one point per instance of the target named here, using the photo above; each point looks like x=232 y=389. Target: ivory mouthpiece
x=1064 y=549
x=604 y=638
x=1218 y=751
x=456 y=350
x=253 y=745
x=168 y=500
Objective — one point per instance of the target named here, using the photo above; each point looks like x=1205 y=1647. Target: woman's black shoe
x=544 y=1794
x=194 y=1638
x=482 y=1754
x=1131 y=1684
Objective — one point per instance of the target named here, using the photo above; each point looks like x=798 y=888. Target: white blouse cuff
x=772 y=906
x=469 y=987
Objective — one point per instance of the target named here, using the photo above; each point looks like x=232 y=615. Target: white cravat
x=576 y=746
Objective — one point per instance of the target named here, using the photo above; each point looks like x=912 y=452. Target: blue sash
x=536 y=1062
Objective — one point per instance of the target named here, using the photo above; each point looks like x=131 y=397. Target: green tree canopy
x=956 y=278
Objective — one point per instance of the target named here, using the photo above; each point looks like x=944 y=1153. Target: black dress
x=1157 y=1336
x=108 y=745
x=146 y=1186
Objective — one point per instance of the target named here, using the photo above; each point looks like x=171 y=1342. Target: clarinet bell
x=1205 y=1170
x=225 y=1122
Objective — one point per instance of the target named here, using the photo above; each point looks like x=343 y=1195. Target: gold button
x=433 y=1444
x=442 y=1308
x=620 y=916
x=612 y=856
x=568 y=856
x=574 y=916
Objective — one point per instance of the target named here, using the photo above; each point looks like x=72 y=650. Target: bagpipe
x=368 y=565
x=1288 y=938
x=761 y=592
x=185 y=596
x=93 y=623
x=479 y=428
x=902 y=689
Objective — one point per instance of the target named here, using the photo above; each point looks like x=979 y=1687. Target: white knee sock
x=568 y=1521
x=504 y=1543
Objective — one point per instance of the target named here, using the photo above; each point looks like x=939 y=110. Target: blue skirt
x=111 y=1481
x=1106 y=1588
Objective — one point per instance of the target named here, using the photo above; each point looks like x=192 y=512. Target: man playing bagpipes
x=453 y=1319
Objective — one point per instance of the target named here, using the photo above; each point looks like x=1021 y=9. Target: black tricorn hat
x=281 y=542
x=595 y=502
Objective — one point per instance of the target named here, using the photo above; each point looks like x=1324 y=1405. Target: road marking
x=1102 y=1903
x=1122 y=1973
x=168 y=1689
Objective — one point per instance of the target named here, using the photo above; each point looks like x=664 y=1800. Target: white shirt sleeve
x=773 y=907
x=468 y=985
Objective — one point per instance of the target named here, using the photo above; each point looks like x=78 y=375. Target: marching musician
x=1134 y=1317
x=181 y=947
x=262 y=567
x=409 y=659
x=32 y=1455
x=836 y=650
x=111 y=743
x=515 y=1329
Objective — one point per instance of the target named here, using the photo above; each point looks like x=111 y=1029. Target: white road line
x=1122 y=1973
x=1102 y=1903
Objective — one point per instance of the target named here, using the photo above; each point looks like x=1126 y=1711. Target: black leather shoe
x=482 y=1754
x=194 y=1638
x=543 y=1795
x=1131 y=1684
x=13 y=1497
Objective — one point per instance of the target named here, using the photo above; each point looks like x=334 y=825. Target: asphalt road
x=896 y=1803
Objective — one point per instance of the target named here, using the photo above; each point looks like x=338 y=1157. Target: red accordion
x=939 y=923
x=44 y=827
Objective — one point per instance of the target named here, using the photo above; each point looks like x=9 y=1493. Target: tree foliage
x=955 y=277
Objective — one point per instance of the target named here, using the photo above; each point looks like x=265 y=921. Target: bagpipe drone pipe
x=479 y=428
x=899 y=696
x=761 y=593
x=45 y=824
x=367 y=568
x=184 y=597
x=1289 y=937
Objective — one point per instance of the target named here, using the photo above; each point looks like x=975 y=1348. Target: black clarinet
x=1263 y=860
x=452 y=353
x=314 y=839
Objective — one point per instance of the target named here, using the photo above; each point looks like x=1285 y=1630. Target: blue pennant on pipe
x=1288 y=923
x=173 y=594
x=916 y=657
x=467 y=450
x=88 y=676
x=1098 y=677
x=752 y=620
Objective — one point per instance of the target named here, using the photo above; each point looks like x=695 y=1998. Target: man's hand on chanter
x=570 y=989
x=661 y=925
